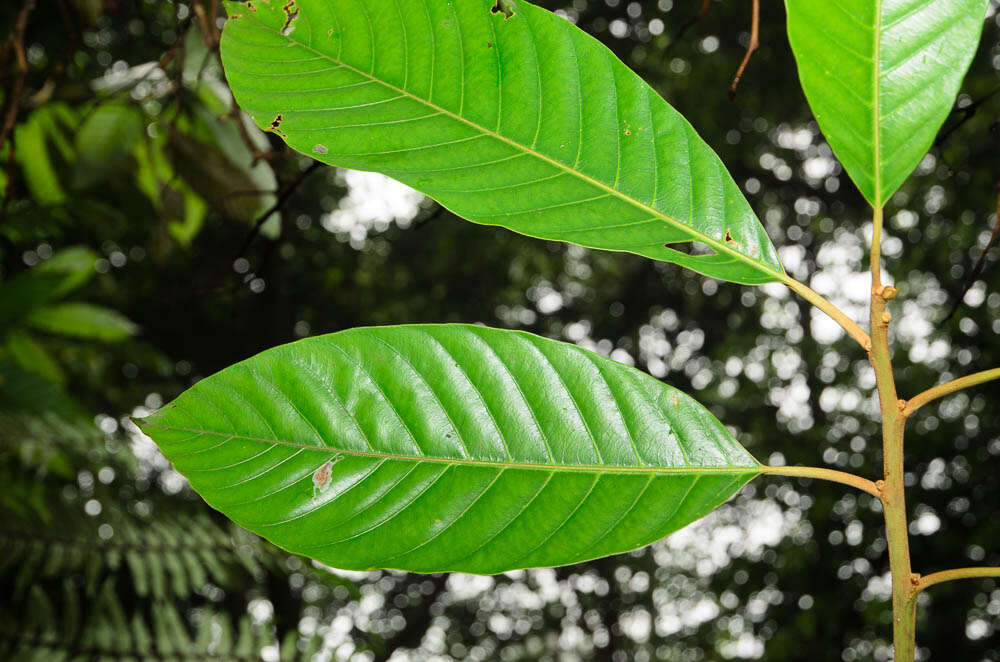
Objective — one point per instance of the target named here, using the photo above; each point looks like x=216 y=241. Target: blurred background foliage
x=150 y=235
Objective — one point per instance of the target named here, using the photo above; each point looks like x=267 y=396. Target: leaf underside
x=525 y=122
x=434 y=448
x=881 y=77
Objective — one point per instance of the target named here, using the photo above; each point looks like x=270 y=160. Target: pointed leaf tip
x=881 y=78
x=454 y=100
x=435 y=448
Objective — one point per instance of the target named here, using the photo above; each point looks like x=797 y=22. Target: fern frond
x=173 y=556
x=96 y=563
x=60 y=627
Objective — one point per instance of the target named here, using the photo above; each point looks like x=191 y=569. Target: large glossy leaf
x=523 y=121
x=448 y=447
x=881 y=77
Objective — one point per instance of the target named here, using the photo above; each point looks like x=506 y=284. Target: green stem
x=831 y=475
x=893 y=491
x=918 y=401
x=827 y=307
x=919 y=583
x=951 y=575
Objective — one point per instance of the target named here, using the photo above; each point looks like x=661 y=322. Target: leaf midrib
x=718 y=246
x=578 y=468
x=876 y=119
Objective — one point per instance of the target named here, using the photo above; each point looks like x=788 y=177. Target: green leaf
x=33 y=154
x=64 y=272
x=231 y=187
x=225 y=186
x=82 y=320
x=27 y=395
x=435 y=448
x=881 y=77
x=182 y=208
x=524 y=121
x=104 y=141
x=26 y=291
x=75 y=264
x=212 y=122
x=33 y=357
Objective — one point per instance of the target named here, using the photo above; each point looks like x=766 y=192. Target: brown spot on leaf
x=322 y=476
x=729 y=239
x=506 y=7
x=291 y=13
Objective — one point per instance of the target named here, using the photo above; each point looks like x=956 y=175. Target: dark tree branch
x=235 y=115
x=278 y=204
x=967 y=113
x=208 y=29
x=13 y=91
x=12 y=95
x=751 y=48
x=686 y=25
x=980 y=264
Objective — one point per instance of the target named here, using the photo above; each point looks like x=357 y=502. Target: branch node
x=888 y=293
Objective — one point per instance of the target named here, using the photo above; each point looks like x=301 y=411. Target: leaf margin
x=740 y=474
x=763 y=269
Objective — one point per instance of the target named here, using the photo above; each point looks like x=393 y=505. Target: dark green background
x=171 y=565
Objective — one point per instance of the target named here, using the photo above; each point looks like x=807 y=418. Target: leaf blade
x=82 y=320
x=861 y=64
x=103 y=143
x=480 y=132
x=61 y=274
x=369 y=448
